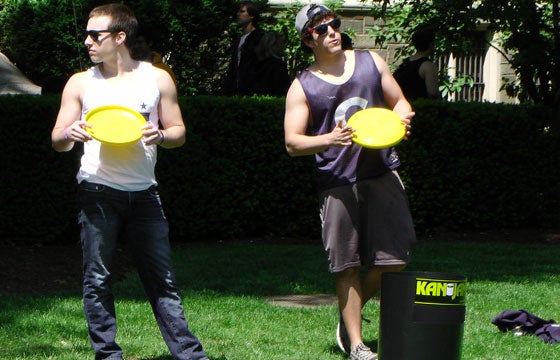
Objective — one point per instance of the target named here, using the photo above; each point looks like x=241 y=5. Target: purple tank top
x=331 y=103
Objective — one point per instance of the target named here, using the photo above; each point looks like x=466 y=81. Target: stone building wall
x=363 y=36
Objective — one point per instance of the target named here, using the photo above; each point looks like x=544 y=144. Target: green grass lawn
x=225 y=285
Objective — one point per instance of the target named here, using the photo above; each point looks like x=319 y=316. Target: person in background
x=117 y=190
x=146 y=48
x=157 y=61
x=418 y=75
x=271 y=70
x=241 y=70
x=365 y=216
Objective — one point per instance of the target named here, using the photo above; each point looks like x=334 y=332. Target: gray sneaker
x=342 y=337
x=362 y=352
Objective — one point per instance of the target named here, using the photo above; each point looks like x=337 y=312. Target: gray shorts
x=367 y=223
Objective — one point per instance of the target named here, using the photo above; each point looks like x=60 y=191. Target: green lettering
x=441 y=289
x=431 y=289
x=461 y=289
x=420 y=287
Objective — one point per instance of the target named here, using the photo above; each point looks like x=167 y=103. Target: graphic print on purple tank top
x=330 y=104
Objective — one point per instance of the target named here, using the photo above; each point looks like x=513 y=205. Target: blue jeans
x=106 y=214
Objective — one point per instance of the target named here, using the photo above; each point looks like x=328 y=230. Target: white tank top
x=129 y=167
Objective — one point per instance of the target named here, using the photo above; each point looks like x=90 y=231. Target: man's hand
x=407 y=121
x=152 y=135
x=342 y=135
x=77 y=132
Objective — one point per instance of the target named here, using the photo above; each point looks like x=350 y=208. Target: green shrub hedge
x=481 y=165
x=467 y=166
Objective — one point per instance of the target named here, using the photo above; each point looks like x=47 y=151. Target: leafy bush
x=481 y=165
x=44 y=38
x=235 y=172
x=193 y=37
x=41 y=37
x=37 y=182
x=467 y=166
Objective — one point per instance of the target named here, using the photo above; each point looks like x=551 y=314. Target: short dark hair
x=252 y=9
x=422 y=38
x=122 y=19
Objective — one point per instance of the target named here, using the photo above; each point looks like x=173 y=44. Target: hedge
x=467 y=166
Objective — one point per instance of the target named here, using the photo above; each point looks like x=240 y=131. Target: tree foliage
x=525 y=32
x=43 y=37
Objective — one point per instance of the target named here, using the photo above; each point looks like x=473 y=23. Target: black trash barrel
x=422 y=316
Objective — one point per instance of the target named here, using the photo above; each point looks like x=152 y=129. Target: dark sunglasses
x=94 y=34
x=323 y=28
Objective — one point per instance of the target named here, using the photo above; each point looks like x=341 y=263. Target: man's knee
x=349 y=273
x=387 y=268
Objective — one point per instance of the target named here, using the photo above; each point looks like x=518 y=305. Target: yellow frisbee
x=377 y=128
x=115 y=124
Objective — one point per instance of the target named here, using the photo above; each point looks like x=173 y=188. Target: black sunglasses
x=323 y=28
x=94 y=34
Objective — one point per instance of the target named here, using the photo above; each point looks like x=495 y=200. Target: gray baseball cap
x=306 y=14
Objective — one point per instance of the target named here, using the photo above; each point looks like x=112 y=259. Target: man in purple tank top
x=364 y=211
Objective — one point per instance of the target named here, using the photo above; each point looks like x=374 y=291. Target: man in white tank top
x=117 y=191
x=365 y=217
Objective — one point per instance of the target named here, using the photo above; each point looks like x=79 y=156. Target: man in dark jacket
x=241 y=72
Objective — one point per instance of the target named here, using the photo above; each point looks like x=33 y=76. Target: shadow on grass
x=266 y=269
x=495 y=261
x=245 y=268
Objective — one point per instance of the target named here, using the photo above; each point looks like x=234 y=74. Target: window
x=469 y=65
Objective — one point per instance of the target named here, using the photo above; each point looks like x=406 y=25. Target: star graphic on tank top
x=143 y=106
